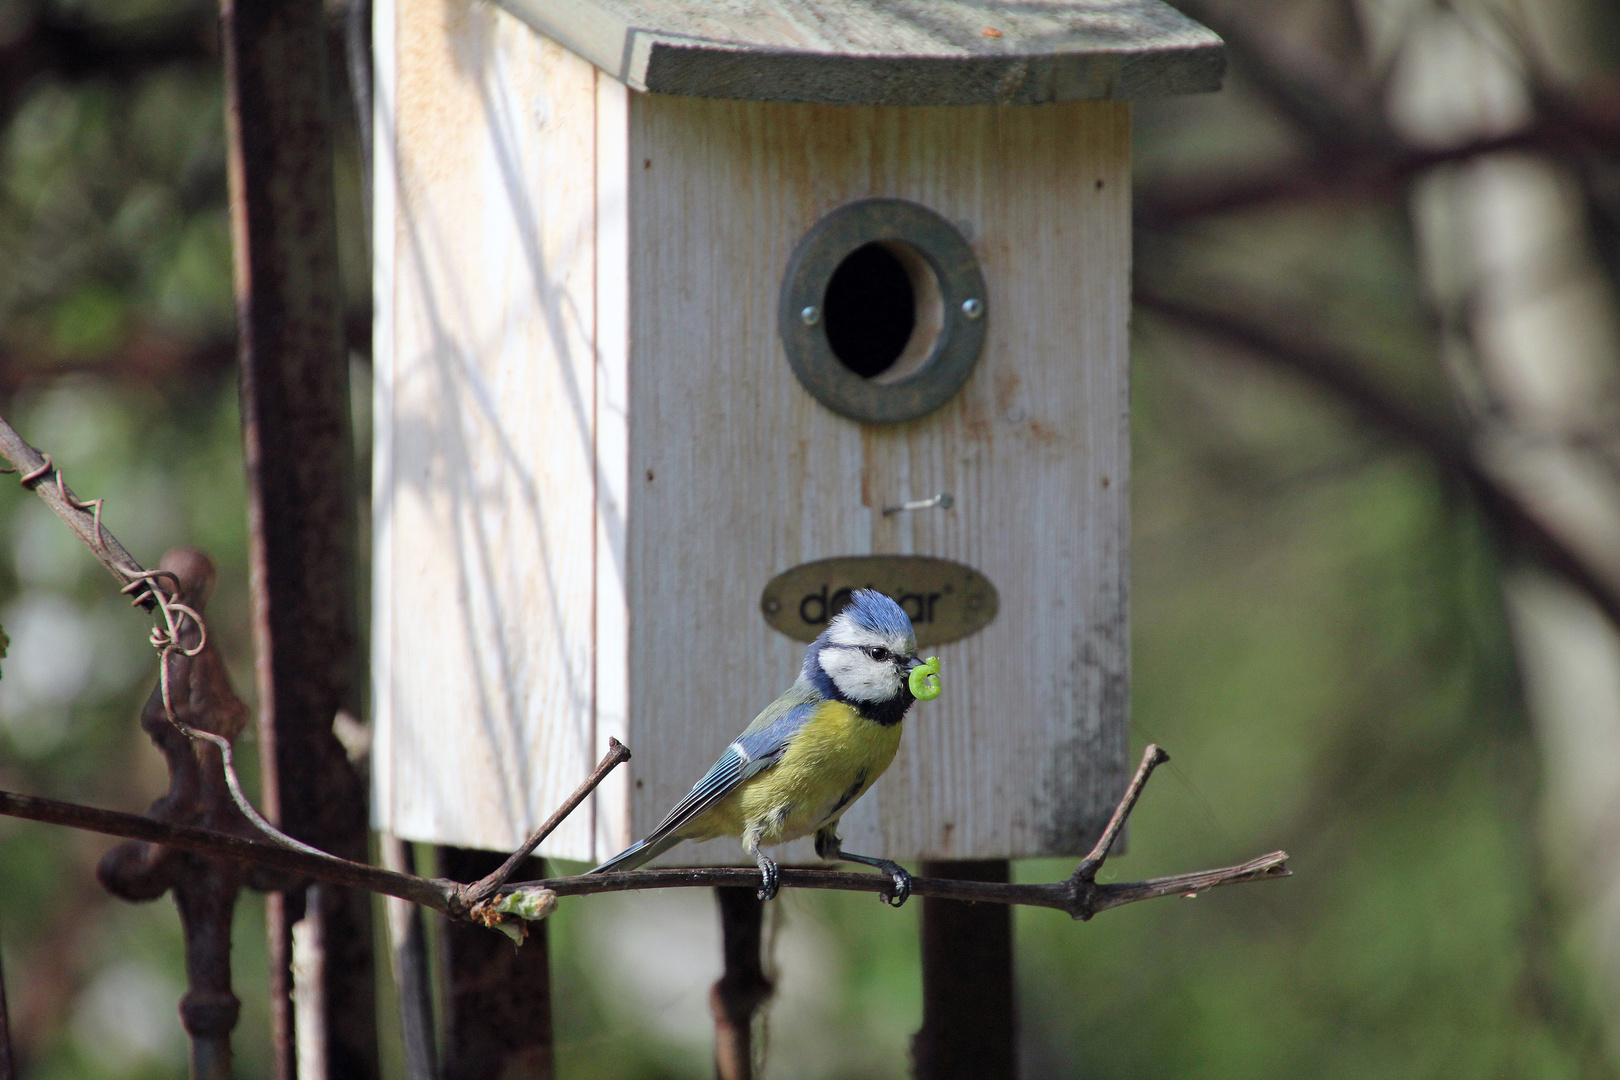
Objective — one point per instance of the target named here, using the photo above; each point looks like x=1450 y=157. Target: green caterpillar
x=925 y=680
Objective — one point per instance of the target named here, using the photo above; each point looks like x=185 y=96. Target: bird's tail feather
x=637 y=854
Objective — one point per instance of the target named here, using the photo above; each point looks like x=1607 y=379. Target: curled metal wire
x=166 y=640
x=144 y=587
x=46 y=467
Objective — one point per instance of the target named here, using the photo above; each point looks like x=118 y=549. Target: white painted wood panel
x=735 y=473
x=485 y=494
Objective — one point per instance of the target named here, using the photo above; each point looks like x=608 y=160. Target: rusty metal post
x=969 y=1029
x=497 y=1012
x=204 y=888
x=297 y=442
x=743 y=986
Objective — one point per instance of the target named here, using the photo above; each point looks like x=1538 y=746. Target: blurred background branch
x=1342 y=378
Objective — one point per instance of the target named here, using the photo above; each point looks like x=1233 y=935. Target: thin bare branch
x=1060 y=895
x=486 y=887
x=429 y=892
x=1189 y=885
x=1081 y=897
x=1152 y=758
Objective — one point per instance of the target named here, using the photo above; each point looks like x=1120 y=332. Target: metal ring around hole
x=961 y=286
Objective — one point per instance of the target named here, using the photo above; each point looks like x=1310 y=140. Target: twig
x=429 y=892
x=1058 y=894
x=1152 y=758
x=1328 y=368
x=487 y=886
x=1079 y=895
x=449 y=897
x=1081 y=899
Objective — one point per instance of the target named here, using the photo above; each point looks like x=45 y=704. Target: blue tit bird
x=813 y=751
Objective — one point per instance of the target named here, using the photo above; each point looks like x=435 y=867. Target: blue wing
x=754 y=751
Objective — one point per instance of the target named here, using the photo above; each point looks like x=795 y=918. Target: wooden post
x=970 y=1026
x=299 y=453
x=743 y=987
x=497 y=998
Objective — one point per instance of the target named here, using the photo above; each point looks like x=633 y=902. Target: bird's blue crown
x=873 y=611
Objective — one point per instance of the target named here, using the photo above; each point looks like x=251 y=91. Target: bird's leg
x=831 y=848
x=770 y=877
x=896 y=872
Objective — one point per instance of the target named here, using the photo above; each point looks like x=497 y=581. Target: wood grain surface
x=901 y=52
x=736 y=473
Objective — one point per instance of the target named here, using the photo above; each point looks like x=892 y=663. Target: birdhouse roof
x=888 y=52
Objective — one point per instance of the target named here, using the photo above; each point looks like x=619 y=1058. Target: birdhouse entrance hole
x=883 y=311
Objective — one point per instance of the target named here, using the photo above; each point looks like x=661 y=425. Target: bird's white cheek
x=859 y=677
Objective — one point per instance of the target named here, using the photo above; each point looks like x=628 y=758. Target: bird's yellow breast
x=833 y=759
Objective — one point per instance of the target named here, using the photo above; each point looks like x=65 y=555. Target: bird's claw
x=770 y=880
x=902 y=884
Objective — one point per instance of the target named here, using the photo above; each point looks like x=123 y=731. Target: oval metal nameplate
x=945 y=599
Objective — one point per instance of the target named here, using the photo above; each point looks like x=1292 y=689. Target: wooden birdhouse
x=692 y=317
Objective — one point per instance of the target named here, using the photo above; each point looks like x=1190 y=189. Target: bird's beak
x=913 y=662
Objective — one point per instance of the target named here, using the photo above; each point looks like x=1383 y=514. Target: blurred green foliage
x=1319 y=642
x=112 y=219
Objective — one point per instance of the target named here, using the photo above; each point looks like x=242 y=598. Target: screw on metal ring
x=804 y=312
